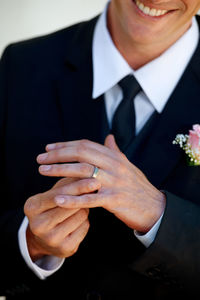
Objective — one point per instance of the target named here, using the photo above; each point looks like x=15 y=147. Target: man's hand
x=125 y=191
x=54 y=230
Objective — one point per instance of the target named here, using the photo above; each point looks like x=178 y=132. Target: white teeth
x=141 y=6
x=146 y=10
x=158 y=12
x=150 y=11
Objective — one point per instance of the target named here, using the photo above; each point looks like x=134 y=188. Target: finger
x=39 y=203
x=84 y=201
x=76 y=188
x=78 y=143
x=64 y=181
x=111 y=143
x=76 y=237
x=51 y=218
x=77 y=170
x=81 y=170
x=77 y=149
x=77 y=154
x=70 y=225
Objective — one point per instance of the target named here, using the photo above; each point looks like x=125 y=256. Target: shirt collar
x=158 y=78
x=108 y=64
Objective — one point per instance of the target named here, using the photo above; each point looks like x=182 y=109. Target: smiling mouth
x=150 y=11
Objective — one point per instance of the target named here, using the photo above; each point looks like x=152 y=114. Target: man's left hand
x=125 y=191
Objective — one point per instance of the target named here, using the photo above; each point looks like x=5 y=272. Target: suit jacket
x=45 y=96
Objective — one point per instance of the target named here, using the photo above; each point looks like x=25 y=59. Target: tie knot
x=130 y=86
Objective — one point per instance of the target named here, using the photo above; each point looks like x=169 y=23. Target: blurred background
x=22 y=19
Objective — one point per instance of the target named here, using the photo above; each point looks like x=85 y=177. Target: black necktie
x=123 y=124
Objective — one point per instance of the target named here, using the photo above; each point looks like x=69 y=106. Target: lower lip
x=154 y=18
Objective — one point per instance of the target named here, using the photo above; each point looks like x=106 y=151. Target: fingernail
x=42 y=157
x=59 y=200
x=45 y=168
x=51 y=146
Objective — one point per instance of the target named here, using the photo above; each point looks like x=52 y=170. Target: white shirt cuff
x=148 y=238
x=44 y=266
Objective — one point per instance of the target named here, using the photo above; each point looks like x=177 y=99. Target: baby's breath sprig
x=193 y=154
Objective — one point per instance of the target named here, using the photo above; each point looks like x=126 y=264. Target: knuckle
x=79 y=151
x=67 y=250
x=27 y=207
x=31 y=205
x=84 y=142
x=36 y=229
x=66 y=247
x=73 y=250
x=77 y=154
x=81 y=148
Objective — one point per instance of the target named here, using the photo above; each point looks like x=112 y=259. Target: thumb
x=111 y=143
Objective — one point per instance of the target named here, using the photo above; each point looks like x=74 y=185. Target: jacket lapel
x=157 y=156
x=82 y=116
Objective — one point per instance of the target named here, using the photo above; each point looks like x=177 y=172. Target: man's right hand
x=53 y=230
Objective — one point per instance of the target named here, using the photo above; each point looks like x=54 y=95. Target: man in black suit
x=142 y=205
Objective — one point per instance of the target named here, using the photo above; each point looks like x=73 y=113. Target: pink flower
x=194 y=137
x=196 y=128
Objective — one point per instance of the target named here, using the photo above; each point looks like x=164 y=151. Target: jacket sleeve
x=174 y=256
x=11 y=218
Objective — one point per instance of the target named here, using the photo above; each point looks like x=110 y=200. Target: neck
x=136 y=53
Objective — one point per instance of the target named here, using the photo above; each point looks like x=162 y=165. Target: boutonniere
x=190 y=143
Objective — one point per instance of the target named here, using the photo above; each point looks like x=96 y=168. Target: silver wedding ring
x=95 y=173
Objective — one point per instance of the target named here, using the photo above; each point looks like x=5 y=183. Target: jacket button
x=93 y=295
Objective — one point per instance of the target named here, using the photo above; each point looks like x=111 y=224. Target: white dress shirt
x=158 y=79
